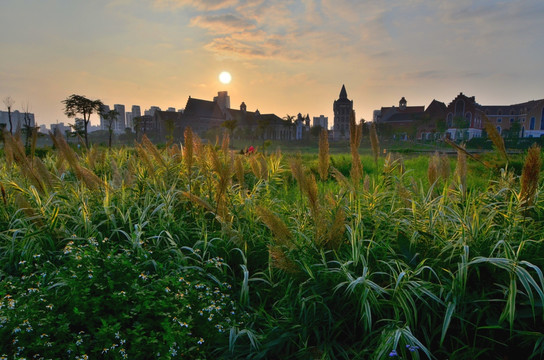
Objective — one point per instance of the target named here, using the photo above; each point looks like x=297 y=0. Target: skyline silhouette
x=284 y=57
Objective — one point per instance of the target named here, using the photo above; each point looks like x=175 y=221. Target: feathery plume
x=324 y=154
x=239 y=171
x=444 y=167
x=188 y=149
x=152 y=149
x=355 y=137
x=432 y=170
x=495 y=137
x=280 y=260
x=530 y=175
x=374 y=142
x=461 y=168
x=4 y=197
x=282 y=235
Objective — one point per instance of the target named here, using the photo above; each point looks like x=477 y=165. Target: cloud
x=223 y=23
x=208 y=5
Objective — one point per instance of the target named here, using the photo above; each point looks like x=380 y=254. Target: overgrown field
x=198 y=252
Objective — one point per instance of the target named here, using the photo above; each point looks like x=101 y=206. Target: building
x=343 y=107
x=410 y=122
x=119 y=123
x=322 y=121
x=207 y=117
x=18 y=120
x=462 y=119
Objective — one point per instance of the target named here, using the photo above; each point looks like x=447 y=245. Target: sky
x=285 y=57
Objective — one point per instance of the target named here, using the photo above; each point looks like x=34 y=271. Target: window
x=449 y=120
x=499 y=120
x=499 y=129
x=532 y=124
x=459 y=107
x=511 y=120
x=542 y=120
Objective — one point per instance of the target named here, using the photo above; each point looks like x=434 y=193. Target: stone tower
x=342 y=112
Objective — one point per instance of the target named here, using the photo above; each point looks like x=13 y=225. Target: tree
x=28 y=127
x=110 y=117
x=315 y=131
x=230 y=125
x=79 y=104
x=289 y=118
x=8 y=101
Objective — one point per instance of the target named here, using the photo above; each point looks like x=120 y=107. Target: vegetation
x=197 y=251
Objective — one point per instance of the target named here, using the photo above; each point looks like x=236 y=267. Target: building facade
x=343 y=107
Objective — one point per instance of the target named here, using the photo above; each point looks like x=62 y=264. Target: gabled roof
x=203 y=108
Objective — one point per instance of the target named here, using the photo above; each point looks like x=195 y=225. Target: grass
x=201 y=252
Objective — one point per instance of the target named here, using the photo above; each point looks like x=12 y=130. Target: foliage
x=135 y=249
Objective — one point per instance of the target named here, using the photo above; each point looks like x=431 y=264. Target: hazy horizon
x=285 y=57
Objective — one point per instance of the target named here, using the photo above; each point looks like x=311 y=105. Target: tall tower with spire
x=342 y=112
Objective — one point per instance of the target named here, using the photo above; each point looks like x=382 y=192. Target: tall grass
x=413 y=263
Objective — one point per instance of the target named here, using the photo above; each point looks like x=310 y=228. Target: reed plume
x=188 y=150
x=355 y=137
x=282 y=235
x=280 y=260
x=495 y=137
x=33 y=142
x=324 y=154
x=4 y=197
x=374 y=142
x=225 y=143
x=239 y=171
x=85 y=175
x=461 y=169
x=255 y=166
x=39 y=177
x=444 y=167
x=152 y=149
x=530 y=175
x=433 y=169
x=335 y=233
x=342 y=180
x=263 y=167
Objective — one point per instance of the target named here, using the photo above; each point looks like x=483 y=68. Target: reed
x=282 y=235
x=323 y=157
x=374 y=142
x=433 y=169
x=530 y=175
x=496 y=138
x=355 y=137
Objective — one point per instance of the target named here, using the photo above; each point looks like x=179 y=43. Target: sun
x=225 y=77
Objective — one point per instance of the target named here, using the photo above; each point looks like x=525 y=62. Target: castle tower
x=342 y=111
x=402 y=103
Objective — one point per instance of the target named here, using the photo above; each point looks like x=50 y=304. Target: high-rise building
x=152 y=110
x=343 y=107
x=322 y=121
x=18 y=120
x=119 y=124
x=135 y=113
x=103 y=124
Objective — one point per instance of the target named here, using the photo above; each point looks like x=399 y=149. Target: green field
x=200 y=252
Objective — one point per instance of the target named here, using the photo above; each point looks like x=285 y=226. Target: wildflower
x=79 y=342
x=200 y=342
x=143 y=276
x=22 y=262
x=105 y=350
x=167 y=289
x=50 y=306
x=117 y=335
x=393 y=353
x=412 y=348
